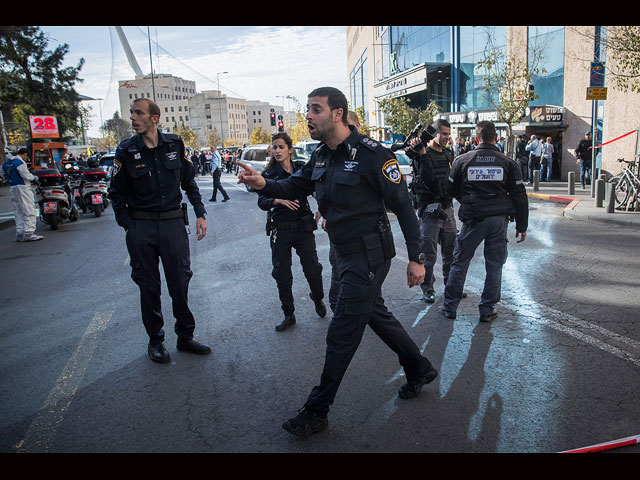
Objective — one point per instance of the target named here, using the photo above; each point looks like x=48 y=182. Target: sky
x=263 y=62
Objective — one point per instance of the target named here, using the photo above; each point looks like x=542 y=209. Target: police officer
x=354 y=178
x=435 y=207
x=19 y=178
x=290 y=224
x=149 y=170
x=490 y=190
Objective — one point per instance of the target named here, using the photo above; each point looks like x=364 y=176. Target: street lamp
x=220 y=108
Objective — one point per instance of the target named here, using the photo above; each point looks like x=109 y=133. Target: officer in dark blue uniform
x=354 y=178
x=491 y=191
x=150 y=168
x=290 y=224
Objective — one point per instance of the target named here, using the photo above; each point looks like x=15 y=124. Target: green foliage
x=33 y=80
x=401 y=117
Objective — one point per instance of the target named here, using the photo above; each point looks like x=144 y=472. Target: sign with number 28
x=44 y=126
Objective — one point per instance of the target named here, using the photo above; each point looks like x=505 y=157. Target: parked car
x=309 y=146
x=106 y=162
x=256 y=156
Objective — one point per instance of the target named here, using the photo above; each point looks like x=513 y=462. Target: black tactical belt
x=287 y=225
x=348 y=248
x=148 y=215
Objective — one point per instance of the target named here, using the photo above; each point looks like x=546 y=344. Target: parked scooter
x=93 y=189
x=74 y=174
x=54 y=197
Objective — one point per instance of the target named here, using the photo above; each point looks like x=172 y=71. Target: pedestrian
x=583 y=158
x=354 y=179
x=489 y=187
x=202 y=159
x=290 y=224
x=431 y=165
x=547 y=160
x=522 y=157
x=24 y=208
x=195 y=162
x=534 y=147
x=216 y=173
x=149 y=171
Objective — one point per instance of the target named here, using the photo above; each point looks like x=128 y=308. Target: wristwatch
x=419 y=258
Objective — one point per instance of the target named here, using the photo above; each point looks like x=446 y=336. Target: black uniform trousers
x=147 y=242
x=282 y=241
x=360 y=304
x=217 y=185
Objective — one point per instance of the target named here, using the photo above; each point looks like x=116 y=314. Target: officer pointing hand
x=250 y=177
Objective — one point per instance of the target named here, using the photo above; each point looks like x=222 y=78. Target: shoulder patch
x=391 y=171
x=368 y=142
x=117 y=165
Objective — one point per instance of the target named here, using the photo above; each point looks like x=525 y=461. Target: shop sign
x=544 y=114
x=409 y=82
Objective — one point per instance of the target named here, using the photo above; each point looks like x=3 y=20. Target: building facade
x=441 y=64
x=171 y=93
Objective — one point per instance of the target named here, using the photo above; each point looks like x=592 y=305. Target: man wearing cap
x=19 y=178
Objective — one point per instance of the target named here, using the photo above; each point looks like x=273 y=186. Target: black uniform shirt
x=352 y=185
x=150 y=179
x=486 y=182
x=280 y=212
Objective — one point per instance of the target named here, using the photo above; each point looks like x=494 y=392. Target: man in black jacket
x=583 y=155
x=435 y=207
x=490 y=189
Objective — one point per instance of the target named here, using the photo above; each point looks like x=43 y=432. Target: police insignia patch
x=116 y=167
x=391 y=171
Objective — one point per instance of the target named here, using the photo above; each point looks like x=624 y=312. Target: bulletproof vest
x=10 y=168
x=439 y=170
x=484 y=186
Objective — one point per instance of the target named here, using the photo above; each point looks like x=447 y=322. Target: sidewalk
x=581 y=205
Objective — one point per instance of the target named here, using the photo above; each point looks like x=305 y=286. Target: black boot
x=286 y=323
x=321 y=309
x=306 y=423
x=158 y=353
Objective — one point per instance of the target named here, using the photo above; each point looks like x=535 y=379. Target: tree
x=259 y=136
x=188 y=136
x=507 y=82
x=623 y=51
x=33 y=81
x=118 y=127
x=402 y=118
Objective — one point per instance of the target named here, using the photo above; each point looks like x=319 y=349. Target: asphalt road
x=559 y=369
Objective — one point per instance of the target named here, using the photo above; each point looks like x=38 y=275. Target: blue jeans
x=545 y=171
x=585 y=169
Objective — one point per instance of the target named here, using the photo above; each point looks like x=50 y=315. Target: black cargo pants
x=282 y=241
x=148 y=241
x=360 y=304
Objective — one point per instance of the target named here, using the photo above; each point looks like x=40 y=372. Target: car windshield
x=403 y=159
x=300 y=154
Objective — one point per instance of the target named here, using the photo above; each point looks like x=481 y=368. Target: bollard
x=599 y=192
x=610 y=203
x=536 y=180
x=571 y=183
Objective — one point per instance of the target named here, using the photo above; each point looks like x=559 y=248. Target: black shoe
x=429 y=297
x=158 y=353
x=193 y=346
x=286 y=323
x=412 y=388
x=489 y=316
x=306 y=423
x=447 y=313
x=321 y=309
x=212 y=199
x=226 y=200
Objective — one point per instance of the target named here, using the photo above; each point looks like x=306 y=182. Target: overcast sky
x=264 y=62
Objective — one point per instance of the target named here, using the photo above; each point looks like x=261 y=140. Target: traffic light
x=273 y=119
x=280 y=126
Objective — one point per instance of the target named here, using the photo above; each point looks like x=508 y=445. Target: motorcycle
x=93 y=190
x=54 y=197
x=74 y=174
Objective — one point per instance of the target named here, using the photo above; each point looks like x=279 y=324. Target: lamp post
x=220 y=108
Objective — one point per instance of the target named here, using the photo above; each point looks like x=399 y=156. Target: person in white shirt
x=216 y=173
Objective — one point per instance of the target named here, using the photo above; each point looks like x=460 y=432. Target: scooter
x=54 y=197
x=74 y=174
x=93 y=190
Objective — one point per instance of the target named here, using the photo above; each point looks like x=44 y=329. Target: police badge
x=116 y=167
x=391 y=171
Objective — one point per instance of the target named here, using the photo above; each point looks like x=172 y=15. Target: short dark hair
x=441 y=122
x=152 y=106
x=486 y=131
x=335 y=99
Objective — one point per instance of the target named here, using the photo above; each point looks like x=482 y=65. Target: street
x=558 y=370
